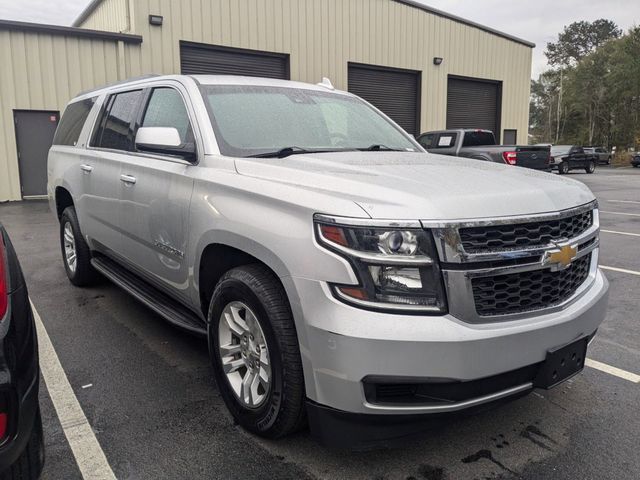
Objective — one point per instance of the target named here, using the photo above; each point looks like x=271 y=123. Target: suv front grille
x=523 y=235
x=527 y=291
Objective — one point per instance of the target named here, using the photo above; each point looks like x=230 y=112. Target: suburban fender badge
x=560 y=257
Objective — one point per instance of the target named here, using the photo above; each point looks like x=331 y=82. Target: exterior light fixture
x=437 y=60
x=156 y=19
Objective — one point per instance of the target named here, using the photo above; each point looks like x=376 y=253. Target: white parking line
x=617 y=372
x=621 y=213
x=621 y=233
x=621 y=270
x=623 y=201
x=90 y=458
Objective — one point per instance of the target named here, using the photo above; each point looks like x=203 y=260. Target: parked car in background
x=635 y=160
x=481 y=145
x=21 y=444
x=565 y=158
x=341 y=275
x=601 y=154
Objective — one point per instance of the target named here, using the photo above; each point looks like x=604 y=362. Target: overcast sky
x=536 y=20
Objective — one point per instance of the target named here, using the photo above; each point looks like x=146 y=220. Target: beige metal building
x=423 y=67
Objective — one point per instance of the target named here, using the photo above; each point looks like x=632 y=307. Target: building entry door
x=34 y=136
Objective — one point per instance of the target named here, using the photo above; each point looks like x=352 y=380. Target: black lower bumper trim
x=362 y=431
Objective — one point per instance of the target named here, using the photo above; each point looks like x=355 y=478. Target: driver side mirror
x=164 y=141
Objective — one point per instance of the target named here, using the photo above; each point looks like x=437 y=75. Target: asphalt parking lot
x=147 y=391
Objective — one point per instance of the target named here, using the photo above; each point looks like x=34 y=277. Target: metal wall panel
x=110 y=15
x=41 y=71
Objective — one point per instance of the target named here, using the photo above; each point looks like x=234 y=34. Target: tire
x=563 y=168
x=29 y=464
x=82 y=273
x=271 y=412
x=591 y=167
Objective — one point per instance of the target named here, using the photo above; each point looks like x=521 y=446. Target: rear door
x=154 y=203
x=111 y=143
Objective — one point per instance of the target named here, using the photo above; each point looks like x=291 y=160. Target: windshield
x=555 y=150
x=255 y=120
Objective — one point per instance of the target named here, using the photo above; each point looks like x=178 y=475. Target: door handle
x=86 y=168
x=128 y=179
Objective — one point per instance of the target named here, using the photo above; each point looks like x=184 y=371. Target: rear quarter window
x=478 y=139
x=72 y=121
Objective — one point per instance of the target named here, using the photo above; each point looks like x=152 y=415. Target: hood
x=411 y=185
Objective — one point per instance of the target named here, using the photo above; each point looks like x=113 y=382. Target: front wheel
x=255 y=353
x=591 y=167
x=563 y=168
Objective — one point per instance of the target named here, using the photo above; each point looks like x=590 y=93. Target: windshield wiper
x=282 y=153
x=376 y=147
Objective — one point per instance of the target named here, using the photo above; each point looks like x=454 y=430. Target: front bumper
x=341 y=346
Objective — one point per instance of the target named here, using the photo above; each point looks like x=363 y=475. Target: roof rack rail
x=119 y=82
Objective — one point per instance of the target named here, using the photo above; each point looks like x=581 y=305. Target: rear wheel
x=75 y=251
x=30 y=462
x=255 y=353
x=591 y=167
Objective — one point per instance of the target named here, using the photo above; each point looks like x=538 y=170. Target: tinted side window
x=166 y=109
x=72 y=121
x=116 y=132
x=427 y=140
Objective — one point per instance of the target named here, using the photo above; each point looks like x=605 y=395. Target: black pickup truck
x=481 y=145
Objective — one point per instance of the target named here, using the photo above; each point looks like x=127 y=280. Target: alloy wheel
x=244 y=354
x=70 y=253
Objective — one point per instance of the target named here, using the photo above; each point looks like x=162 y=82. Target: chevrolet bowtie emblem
x=561 y=258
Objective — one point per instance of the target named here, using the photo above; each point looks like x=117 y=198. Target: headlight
x=397 y=268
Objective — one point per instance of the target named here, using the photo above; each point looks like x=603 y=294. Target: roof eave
x=88 y=10
x=69 y=31
x=455 y=18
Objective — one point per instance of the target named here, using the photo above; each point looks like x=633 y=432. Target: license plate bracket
x=561 y=364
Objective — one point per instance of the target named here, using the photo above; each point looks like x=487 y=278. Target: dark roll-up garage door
x=199 y=58
x=395 y=92
x=473 y=104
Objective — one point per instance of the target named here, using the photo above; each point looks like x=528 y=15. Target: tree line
x=590 y=95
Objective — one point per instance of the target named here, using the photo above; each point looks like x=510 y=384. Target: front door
x=34 y=136
x=154 y=202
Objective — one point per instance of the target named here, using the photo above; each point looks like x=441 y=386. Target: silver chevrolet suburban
x=343 y=277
